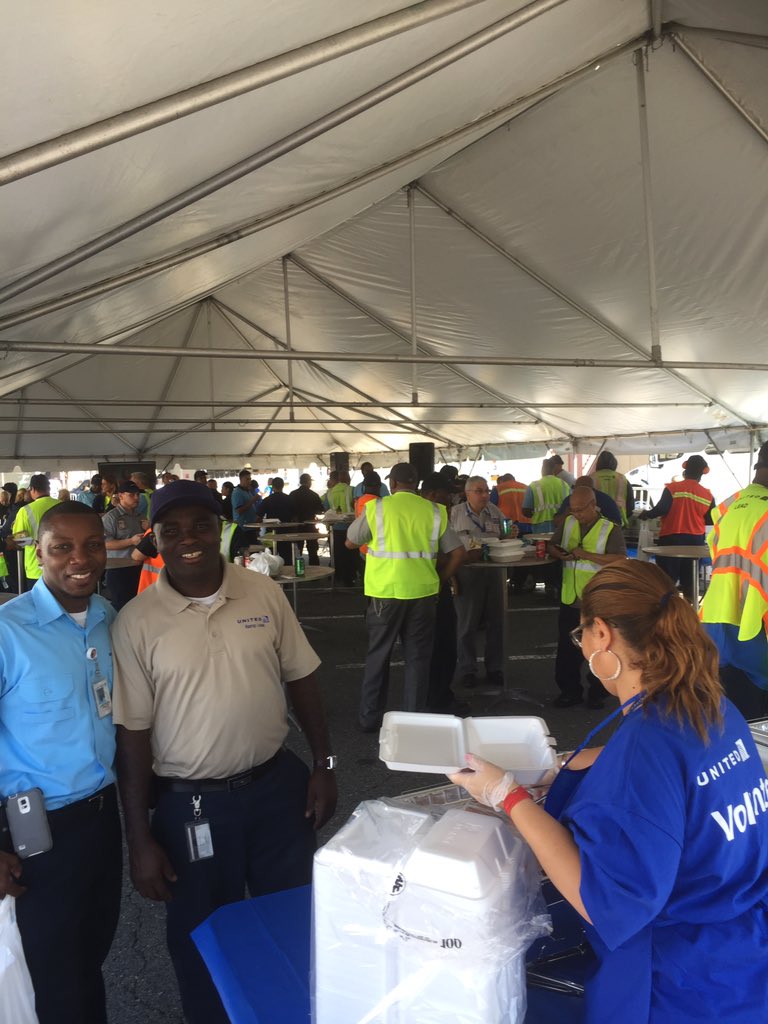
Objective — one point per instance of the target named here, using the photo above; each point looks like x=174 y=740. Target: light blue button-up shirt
x=51 y=735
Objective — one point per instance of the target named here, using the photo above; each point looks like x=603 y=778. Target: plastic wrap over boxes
x=423 y=915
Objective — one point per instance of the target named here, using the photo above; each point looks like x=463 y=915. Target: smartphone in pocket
x=28 y=823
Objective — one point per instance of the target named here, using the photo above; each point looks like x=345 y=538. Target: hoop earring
x=616 y=674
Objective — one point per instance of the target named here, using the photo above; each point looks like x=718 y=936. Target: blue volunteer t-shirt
x=673 y=840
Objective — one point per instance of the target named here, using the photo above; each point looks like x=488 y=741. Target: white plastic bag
x=266 y=563
x=647 y=533
x=17 y=997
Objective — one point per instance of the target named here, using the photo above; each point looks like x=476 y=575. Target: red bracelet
x=514 y=797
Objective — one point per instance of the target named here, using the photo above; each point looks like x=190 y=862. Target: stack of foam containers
x=423 y=920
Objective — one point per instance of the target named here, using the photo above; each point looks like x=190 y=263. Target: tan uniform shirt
x=208 y=682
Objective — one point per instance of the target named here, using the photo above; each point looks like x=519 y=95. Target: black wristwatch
x=329 y=763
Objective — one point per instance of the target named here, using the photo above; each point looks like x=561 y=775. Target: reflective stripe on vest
x=576 y=575
x=738 y=591
x=405 y=537
x=150 y=570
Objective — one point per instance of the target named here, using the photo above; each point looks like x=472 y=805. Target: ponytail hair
x=677 y=659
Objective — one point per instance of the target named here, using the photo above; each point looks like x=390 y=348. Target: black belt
x=83 y=809
x=219 y=785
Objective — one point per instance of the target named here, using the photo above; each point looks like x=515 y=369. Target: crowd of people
x=102 y=696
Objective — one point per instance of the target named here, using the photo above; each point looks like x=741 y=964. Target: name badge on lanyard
x=100 y=686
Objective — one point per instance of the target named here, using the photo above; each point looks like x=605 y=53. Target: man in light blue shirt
x=56 y=734
x=245 y=504
x=359 y=489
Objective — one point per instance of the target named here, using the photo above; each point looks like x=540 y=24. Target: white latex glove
x=485 y=782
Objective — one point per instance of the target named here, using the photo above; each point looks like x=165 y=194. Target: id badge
x=199 y=841
x=103 y=697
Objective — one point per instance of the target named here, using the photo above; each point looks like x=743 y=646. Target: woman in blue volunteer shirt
x=659 y=839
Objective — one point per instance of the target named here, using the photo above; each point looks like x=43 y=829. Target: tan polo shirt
x=208 y=682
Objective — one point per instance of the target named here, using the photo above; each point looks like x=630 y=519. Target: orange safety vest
x=150 y=569
x=511 y=501
x=360 y=504
x=690 y=504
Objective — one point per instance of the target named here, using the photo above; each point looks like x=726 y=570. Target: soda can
x=541 y=549
x=486 y=553
x=298 y=566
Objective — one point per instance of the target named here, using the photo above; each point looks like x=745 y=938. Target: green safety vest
x=3 y=566
x=402 y=552
x=340 y=497
x=548 y=495
x=738 y=591
x=576 y=575
x=28 y=521
x=615 y=486
x=227 y=533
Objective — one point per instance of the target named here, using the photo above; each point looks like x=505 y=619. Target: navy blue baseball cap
x=182 y=492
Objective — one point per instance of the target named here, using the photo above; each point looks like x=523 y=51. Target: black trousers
x=69 y=913
x=123 y=585
x=570 y=662
x=261 y=841
x=679 y=570
x=345 y=560
x=312 y=556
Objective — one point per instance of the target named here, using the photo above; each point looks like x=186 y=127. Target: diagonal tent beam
x=478 y=126
x=337 y=380
x=338 y=419
x=194 y=428
x=340 y=446
x=674 y=28
x=263 y=433
x=341 y=115
x=170 y=378
x=130 y=123
x=91 y=416
x=392 y=329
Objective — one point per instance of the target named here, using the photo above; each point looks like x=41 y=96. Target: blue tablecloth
x=258 y=954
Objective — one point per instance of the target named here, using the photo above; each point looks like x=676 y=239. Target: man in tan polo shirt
x=201 y=662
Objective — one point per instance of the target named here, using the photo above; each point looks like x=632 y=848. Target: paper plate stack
x=507 y=549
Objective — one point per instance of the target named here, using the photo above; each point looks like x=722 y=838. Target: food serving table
x=258 y=954
x=695 y=552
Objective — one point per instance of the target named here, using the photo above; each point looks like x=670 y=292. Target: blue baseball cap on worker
x=182 y=492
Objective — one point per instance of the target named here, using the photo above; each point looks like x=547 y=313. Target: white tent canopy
x=484 y=224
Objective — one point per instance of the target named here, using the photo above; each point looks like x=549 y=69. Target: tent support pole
x=150 y=115
x=19 y=424
x=414 y=331
x=287 y=303
x=650 y=241
x=322 y=125
x=715 y=81
x=721 y=453
x=744 y=38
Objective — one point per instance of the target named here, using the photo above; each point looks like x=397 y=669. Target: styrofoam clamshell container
x=415 y=742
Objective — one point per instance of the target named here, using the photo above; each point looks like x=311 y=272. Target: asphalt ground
x=141 y=986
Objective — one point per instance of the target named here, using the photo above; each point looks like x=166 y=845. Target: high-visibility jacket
x=615 y=486
x=690 y=504
x=738 y=591
x=402 y=552
x=228 y=530
x=3 y=566
x=27 y=521
x=360 y=504
x=511 y=500
x=340 y=498
x=576 y=575
x=150 y=568
x=548 y=495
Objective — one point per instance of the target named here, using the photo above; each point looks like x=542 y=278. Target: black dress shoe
x=567 y=700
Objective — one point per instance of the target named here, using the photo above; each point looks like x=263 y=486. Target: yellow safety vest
x=227 y=533
x=402 y=552
x=738 y=590
x=548 y=495
x=615 y=486
x=27 y=521
x=576 y=575
x=340 y=497
x=3 y=566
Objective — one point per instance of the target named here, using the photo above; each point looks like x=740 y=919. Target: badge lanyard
x=99 y=685
x=598 y=728
x=475 y=520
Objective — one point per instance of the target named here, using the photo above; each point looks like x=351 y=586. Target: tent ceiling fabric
x=526 y=218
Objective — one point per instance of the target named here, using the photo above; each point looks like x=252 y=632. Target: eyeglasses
x=576 y=635
x=479 y=490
